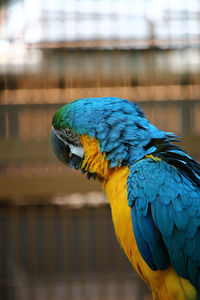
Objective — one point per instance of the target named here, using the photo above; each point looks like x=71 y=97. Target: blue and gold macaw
x=152 y=185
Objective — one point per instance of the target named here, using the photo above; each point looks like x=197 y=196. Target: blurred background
x=56 y=235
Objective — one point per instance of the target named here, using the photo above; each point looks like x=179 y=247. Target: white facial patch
x=79 y=151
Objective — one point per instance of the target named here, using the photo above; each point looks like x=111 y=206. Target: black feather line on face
x=73 y=140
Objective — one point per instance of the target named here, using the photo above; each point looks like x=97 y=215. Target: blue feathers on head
x=124 y=133
x=119 y=125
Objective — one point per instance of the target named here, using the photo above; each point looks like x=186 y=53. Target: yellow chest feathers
x=116 y=190
x=94 y=160
x=165 y=285
x=115 y=184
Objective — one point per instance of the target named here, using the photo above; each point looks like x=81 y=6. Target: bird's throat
x=94 y=160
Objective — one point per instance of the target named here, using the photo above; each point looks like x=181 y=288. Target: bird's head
x=99 y=134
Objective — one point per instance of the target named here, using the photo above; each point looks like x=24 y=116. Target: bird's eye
x=69 y=133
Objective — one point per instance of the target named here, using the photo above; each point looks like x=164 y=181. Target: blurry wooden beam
x=17 y=151
x=14 y=152
x=48 y=185
x=121 y=44
x=138 y=93
x=36 y=179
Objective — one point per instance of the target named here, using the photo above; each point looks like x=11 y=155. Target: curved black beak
x=63 y=153
x=60 y=149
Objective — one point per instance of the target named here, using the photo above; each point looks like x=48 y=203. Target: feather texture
x=153 y=187
x=169 y=213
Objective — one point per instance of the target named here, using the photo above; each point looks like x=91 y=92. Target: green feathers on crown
x=59 y=119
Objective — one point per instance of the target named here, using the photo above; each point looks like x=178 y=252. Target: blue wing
x=165 y=213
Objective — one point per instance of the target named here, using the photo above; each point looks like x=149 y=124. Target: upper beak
x=63 y=153
x=61 y=150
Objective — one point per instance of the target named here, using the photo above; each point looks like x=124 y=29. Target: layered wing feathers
x=165 y=212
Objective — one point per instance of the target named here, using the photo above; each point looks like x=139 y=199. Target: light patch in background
x=15 y=57
x=30 y=22
x=78 y=200
x=53 y=21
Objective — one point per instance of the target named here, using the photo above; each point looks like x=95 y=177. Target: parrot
x=152 y=186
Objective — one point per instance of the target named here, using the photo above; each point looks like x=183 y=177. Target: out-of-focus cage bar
x=63 y=247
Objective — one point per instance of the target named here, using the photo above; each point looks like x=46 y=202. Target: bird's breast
x=167 y=284
x=116 y=190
